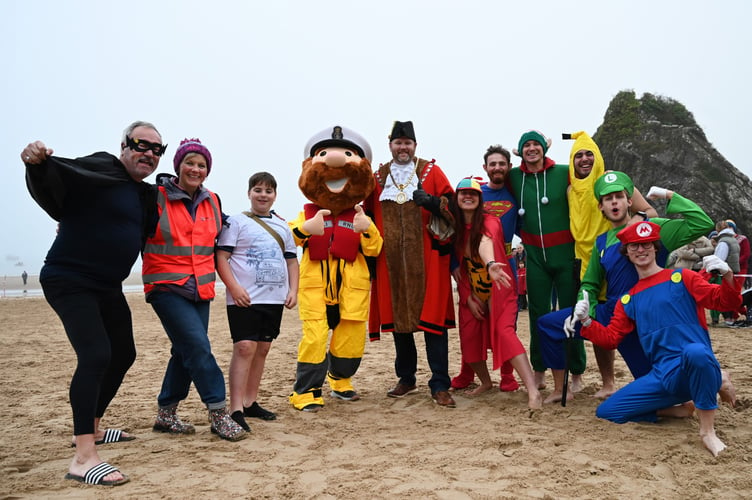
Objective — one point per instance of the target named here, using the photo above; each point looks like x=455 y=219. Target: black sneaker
x=237 y=416
x=346 y=395
x=256 y=411
x=312 y=408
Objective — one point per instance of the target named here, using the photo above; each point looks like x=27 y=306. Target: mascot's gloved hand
x=315 y=225
x=713 y=263
x=657 y=193
x=582 y=310
x=361 y=222
x=428 y=201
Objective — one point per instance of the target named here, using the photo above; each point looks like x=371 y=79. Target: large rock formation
x=657 y=142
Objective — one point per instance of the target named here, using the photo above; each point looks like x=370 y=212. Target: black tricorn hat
x=402 y=129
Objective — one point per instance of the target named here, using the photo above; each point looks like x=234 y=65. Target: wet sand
x=490 y=446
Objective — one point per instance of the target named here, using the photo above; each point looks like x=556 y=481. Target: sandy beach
x=490 y=446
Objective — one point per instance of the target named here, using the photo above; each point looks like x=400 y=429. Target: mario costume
x=336 y=237
x=667 y=310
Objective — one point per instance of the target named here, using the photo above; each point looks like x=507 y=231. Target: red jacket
x=183 y=246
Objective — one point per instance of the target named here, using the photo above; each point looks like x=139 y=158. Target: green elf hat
x=612 y=182
x=533 y=135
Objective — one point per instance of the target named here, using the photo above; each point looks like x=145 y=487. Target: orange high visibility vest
x=183 y=247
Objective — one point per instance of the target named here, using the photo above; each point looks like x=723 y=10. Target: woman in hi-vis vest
x=179 y=275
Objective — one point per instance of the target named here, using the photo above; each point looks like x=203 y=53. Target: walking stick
x=568 y=341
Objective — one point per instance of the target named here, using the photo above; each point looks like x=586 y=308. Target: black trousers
x=99 y=327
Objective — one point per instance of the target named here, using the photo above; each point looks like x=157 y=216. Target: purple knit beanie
x=191 y=146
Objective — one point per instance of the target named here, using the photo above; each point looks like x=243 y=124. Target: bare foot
x=555 y=397
x=540 y=380
x=727 y=390
x=479 y=390
x=534 y=400
x=81 y=468
x=713 y=444
x=604 y=392
x=684 y=410
x=577 y=384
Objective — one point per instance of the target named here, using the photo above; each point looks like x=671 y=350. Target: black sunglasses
x=143 y=146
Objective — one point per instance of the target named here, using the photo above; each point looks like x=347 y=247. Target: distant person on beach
x=666 y=309
x=744 y=256
x=258 y=262
x=105 y=212
x=521 y=287
x=728 y=250
x=179 y=274
x=24 y=277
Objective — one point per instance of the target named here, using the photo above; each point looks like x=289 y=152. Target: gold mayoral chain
x=401 y=196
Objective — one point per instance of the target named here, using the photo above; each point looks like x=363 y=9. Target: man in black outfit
x=105 y=211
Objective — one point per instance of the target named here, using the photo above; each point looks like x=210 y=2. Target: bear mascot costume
x=336 y=237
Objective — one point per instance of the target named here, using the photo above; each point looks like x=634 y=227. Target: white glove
x=582 y=309
x=569 y=325
x=714 y=263
x=657 y=193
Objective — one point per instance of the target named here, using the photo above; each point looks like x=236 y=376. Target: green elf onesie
x=545 y=233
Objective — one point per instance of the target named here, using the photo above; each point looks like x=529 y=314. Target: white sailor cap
x=338 y=136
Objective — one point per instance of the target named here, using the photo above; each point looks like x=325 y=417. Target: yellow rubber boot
x=308 y=401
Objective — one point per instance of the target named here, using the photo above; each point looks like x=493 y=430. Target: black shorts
x=260 y=322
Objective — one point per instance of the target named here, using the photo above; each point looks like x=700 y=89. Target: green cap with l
x=611 y=182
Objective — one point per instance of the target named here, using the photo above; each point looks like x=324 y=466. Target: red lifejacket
x=183 y=247
x=339 y=238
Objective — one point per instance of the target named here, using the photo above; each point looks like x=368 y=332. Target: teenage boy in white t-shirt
x=260 y=271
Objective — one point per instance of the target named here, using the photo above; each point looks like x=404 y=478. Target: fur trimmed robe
x=412 y=290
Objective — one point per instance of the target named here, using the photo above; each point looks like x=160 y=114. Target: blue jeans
x=437 y=353
x=187 y=324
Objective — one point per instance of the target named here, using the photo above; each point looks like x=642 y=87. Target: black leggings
x=98 y=325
